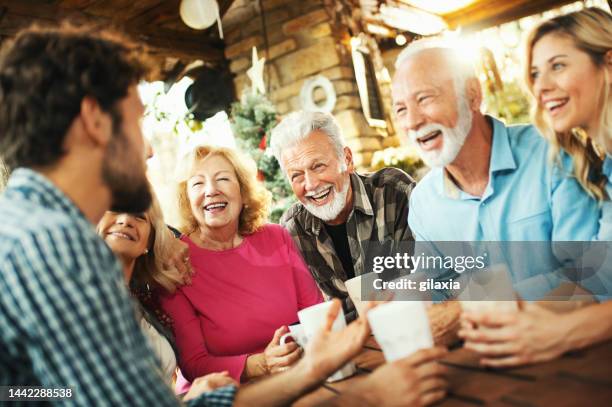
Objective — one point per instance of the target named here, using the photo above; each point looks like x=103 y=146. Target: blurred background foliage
x=252 y=120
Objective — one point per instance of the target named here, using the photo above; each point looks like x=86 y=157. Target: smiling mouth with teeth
x=214 y=206
x=122 y=235
x=554 y=105
x=321 y=196
x=429 y=136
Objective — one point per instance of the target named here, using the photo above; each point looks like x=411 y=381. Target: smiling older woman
x=249 y=280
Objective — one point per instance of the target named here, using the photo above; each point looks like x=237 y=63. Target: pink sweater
x=237 y=299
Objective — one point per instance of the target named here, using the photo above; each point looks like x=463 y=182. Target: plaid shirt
x=66 y=316
x=380 y=214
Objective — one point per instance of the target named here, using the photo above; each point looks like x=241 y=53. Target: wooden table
x=582 y=378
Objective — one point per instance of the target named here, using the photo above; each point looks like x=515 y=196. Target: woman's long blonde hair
x=255 y=197
x=591 y=31
x=149 y=268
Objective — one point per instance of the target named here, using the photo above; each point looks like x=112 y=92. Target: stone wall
x=302 y=42
x=388 y=58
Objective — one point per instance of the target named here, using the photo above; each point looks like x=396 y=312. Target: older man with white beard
x=489 y=181
x=341 y=214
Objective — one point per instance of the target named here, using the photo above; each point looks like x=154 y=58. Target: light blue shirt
x=527 y=198
x=605 y=222
x=600 y=283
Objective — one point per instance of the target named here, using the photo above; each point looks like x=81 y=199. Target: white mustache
x=317 y=191
x=425 y=130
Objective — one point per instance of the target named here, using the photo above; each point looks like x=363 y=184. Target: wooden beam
x=224 y=6
x=486 y=7
x=163 y=41
x=75 y=4
x=159 y=13
x=486 y=14
x=174 y=43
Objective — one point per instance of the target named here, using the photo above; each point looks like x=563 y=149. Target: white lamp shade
x=199 y=14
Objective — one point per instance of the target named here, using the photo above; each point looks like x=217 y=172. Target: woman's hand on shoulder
x=179 y=260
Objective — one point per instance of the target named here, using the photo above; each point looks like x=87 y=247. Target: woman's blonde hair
x=149 y=268
x=255 y=197
x=591 y=31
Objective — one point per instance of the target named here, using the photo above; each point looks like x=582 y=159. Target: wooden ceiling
x=475 y=15
x=487 y=13
x=155 y=22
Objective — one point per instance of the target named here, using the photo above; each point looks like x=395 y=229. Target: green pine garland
x=253 y=118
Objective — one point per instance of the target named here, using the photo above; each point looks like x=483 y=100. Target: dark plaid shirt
x=380 y=214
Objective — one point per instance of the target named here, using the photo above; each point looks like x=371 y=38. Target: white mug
x=357 y=287
x=401 y=328
x=353 y=288
x=489 y=290
x=296 y=332
x=312 y=320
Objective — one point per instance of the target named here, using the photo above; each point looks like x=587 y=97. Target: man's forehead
x=412 y=87
x=411 y=83
x=429 y=67
x=304 y=153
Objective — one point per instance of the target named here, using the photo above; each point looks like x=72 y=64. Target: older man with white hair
x=339 y=212
x=489 y=181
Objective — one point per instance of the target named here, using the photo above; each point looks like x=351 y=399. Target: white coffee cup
x=296 y=332
x=489 y=290
x=401 y=328
x=353 y=287
x=312 y=319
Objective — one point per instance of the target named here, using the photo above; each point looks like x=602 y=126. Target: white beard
x=331 y=210
x=453 y=138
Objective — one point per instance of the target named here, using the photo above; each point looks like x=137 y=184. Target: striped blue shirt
x=66 y=316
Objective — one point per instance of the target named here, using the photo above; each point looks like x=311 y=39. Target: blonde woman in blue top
x=569 y=74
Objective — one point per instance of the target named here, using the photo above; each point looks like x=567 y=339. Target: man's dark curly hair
x=45 y=72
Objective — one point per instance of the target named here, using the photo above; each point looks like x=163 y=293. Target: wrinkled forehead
x=198 y=163
x=211 y=163
x=317 y=146
x=430 y=67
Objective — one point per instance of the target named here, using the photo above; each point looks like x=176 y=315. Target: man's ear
x=474 y=94
x=348 y=160
x=96 y=123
